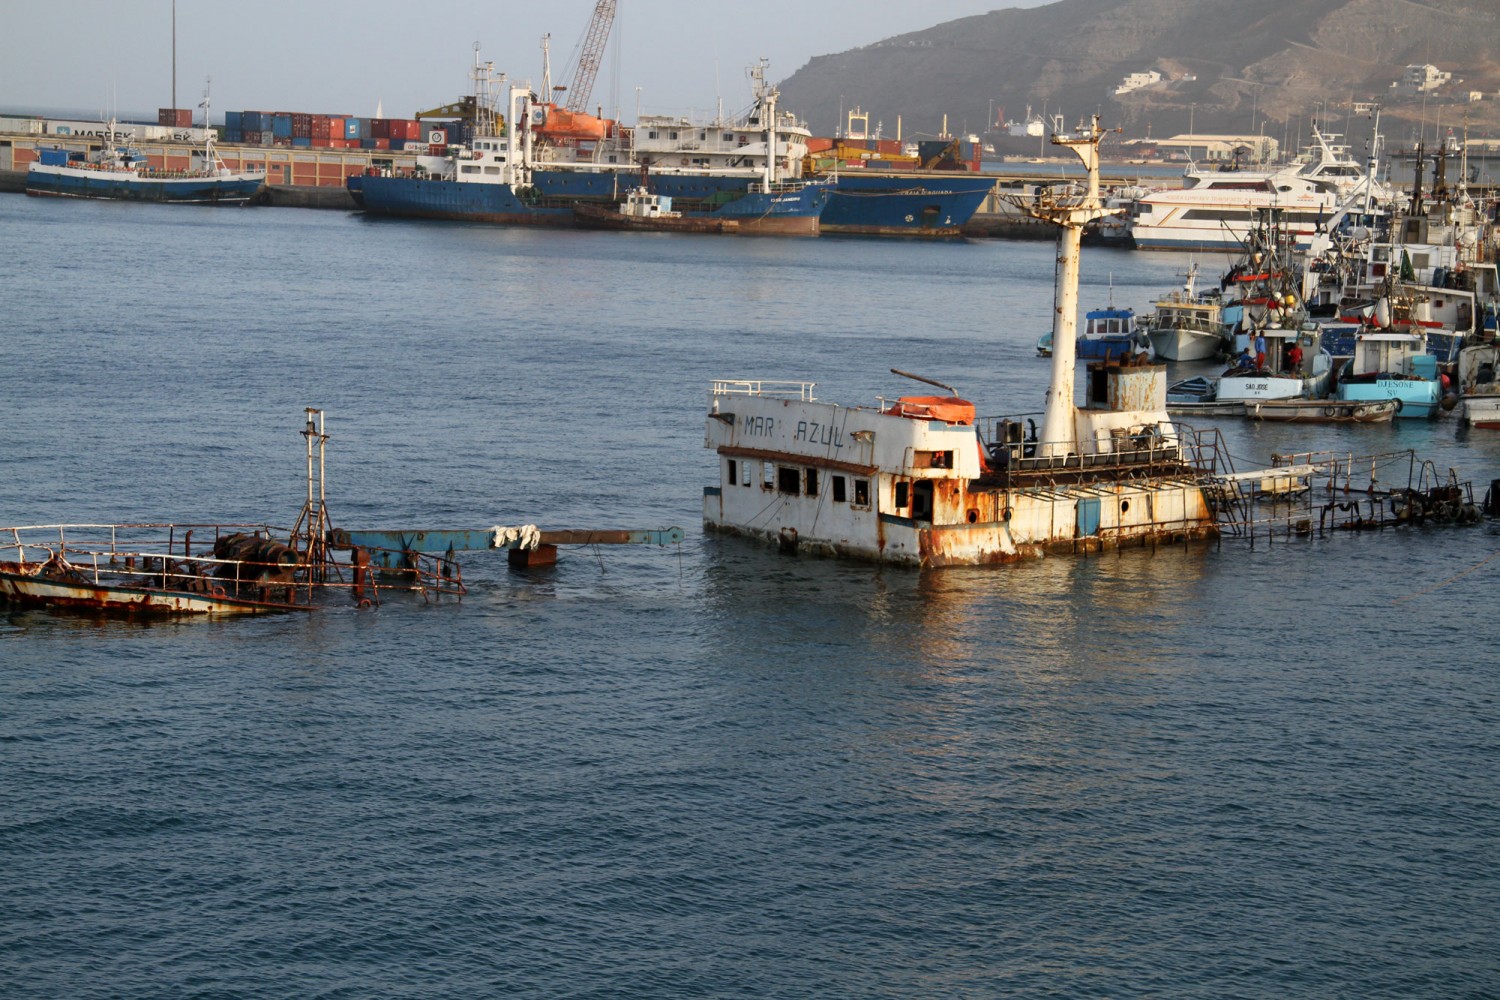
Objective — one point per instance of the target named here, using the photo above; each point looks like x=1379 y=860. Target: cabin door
x=1088 y=517
x=921 y=500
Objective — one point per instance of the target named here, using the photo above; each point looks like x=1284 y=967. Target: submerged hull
x=30 y=589
x=908 y=484
x=76 y=182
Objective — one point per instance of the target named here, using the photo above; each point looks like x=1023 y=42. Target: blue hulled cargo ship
x=534 y=163
x=903 y=204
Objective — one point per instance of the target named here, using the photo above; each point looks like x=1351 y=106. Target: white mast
x=1059 y=434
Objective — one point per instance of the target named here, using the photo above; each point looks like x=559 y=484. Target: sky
x=402 y=56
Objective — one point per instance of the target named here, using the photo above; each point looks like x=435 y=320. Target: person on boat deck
x=1260 y=350
x=1294 y=358
x=1244 y=362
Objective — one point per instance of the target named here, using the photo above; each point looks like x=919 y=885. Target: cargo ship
x=533 y=163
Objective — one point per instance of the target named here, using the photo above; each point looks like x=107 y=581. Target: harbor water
x=1216 y=770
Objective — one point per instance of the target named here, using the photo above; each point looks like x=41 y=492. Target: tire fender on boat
x=1398 y=404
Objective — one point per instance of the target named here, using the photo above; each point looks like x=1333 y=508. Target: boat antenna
x=923 y=378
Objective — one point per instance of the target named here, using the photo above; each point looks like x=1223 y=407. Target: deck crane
x=590 y=56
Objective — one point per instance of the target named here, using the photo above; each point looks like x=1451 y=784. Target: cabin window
x=768 y=475
x=745 y=475
x=933 y=460
x=861 y=493
x=702 y=136
x=654 y=134
x=839 y=494
x=728 y=136
x=672 y=135
x=734 y=468
x=811 y=486
x=788 y=481
x=903 y=495
x=470 y=169
x=492 y=170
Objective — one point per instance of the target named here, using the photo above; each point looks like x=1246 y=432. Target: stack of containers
x=234 y=126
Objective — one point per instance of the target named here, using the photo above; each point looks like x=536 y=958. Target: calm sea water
x=1211 y=771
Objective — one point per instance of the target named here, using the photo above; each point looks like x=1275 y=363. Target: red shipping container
x=380 y=128
x=175 y=117
x=435 y=150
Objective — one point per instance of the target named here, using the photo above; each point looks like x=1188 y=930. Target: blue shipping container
x=252 y=121
x=234 y=135
x=356 y=128
x=301 y=140
x=281 y=126
x=234 y=120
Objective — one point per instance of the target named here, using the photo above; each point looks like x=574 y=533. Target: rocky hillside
x=1228 y=65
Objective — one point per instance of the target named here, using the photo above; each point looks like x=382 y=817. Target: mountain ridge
x=1228 y=66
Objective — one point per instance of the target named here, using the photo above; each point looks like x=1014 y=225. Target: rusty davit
x=232 y=569
x=919 y=480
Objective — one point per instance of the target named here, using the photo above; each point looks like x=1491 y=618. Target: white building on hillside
x=1135 y=81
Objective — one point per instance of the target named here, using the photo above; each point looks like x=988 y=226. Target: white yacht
x=1216 y=209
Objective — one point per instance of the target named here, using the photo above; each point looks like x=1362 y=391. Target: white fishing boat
x=1186 y=325
x=918 y=480
x=1297 y=367
x=1478 y=388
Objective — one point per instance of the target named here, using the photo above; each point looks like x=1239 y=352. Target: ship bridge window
x=470 y=168
x=788 y=481
x=492 y=170
x=932 y=460
x=840 y=489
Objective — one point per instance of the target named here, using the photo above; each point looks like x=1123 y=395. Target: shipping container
x=433 y=149
x=234 y=120
x=24 y=126
x=252 y=121
x=300 y=141
x=232 y=135
x=175 y=117
x=281 y=125
x=356 y=128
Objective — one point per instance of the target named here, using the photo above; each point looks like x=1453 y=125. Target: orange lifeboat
x=560 y=123
x=948 y=409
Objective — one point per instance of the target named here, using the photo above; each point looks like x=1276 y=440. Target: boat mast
x=1070 y=213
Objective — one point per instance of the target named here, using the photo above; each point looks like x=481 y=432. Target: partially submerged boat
x=920 y=481
x=174 y=569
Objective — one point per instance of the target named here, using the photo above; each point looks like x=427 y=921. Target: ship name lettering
x=760 y=426
x=815 y=433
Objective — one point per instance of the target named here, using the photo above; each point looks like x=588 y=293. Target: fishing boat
x=919 y=480
x=645 y=211
x=117 y=171
x=1216 y=209
x=1186 y=325
x=1297 y=367
x=1108 y=334
x=1478 y=389
x=1392 y=365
